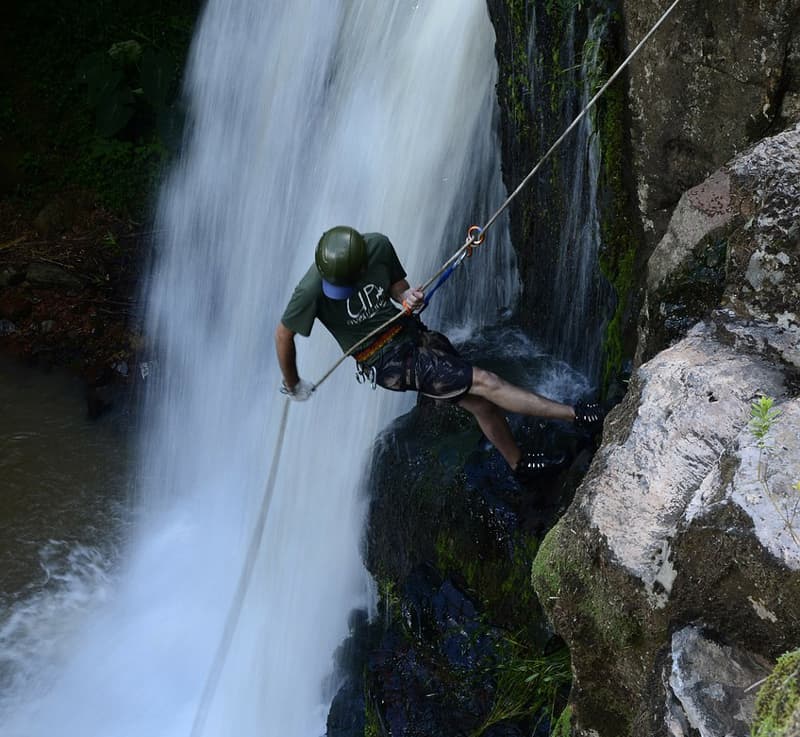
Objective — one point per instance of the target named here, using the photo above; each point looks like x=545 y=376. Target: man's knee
x=483 y=380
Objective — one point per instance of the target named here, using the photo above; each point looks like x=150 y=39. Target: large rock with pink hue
x=716 y=78
x=732 y=241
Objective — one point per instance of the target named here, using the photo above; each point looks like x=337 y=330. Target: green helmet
x=341 y=256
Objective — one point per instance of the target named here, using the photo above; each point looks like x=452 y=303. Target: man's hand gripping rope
x=300 y=392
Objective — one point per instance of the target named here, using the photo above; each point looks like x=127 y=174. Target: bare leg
x=494 y=425
x=512 y=398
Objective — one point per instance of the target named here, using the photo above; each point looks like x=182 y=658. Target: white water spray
x=303 y=116
x=580 y=290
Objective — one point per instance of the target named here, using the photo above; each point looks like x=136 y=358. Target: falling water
x=302 y=116
x=571 y=297
x=580 y=290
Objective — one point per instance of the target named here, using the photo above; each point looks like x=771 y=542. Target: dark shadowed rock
x=14 y=305
x=50 y=275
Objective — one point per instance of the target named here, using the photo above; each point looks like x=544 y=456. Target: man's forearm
x=397 y=289
x=287 y=355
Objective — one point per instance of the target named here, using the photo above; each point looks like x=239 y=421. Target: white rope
x=237 y=604
x=472 y=240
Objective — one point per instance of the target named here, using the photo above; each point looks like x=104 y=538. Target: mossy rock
x=778 y=702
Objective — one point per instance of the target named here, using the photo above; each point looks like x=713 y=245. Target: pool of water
x=63 y=484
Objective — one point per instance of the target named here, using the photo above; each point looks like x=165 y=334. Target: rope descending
x=232 y=620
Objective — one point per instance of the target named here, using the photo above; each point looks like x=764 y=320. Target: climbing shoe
x=589 y=417
x=534 y=464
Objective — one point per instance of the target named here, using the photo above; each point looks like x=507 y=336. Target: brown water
x=62 y=481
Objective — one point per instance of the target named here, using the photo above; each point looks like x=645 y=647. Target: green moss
x=517 y=81
x=622 y=279
x=778 y=701
x=590 y=607
x=372 y=721
x=501 y=583
x=600 y=602
x=619 y=244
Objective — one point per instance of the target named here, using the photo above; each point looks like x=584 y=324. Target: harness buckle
x=367 y=374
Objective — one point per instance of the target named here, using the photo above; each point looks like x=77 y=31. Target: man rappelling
x=351 y=289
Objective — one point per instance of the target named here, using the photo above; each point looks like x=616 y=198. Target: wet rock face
x=716 y=78
x=450 y=540
x=733 y=240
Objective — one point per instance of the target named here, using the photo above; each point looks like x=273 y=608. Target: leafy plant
x=528 y=685
x=778 y=701
x=763 y=417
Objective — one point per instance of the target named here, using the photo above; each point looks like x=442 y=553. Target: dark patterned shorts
x=429 y=364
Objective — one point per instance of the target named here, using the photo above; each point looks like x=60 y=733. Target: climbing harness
x=475 y=237
x=379 y=343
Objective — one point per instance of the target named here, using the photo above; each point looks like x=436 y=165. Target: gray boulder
x=669 y=530
x=50 y=275
x=675 y=575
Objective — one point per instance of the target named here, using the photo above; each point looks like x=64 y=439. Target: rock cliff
x=675 y=575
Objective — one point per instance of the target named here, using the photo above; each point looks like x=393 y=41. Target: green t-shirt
x=351 y=319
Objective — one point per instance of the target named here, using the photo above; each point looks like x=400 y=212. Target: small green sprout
x=762 y=417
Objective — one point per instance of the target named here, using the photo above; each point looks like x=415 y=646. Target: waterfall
x=568 y=300
x=301 y=116
x=580 y=292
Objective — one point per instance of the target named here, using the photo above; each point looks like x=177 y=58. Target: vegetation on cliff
x=89 y=116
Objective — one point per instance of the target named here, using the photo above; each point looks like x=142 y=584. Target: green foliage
x=563 y=726
x=763 y=416
x=123 y=172
x=778 y=701
x=125 y=82
x=105 y=70
x=528 y=685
